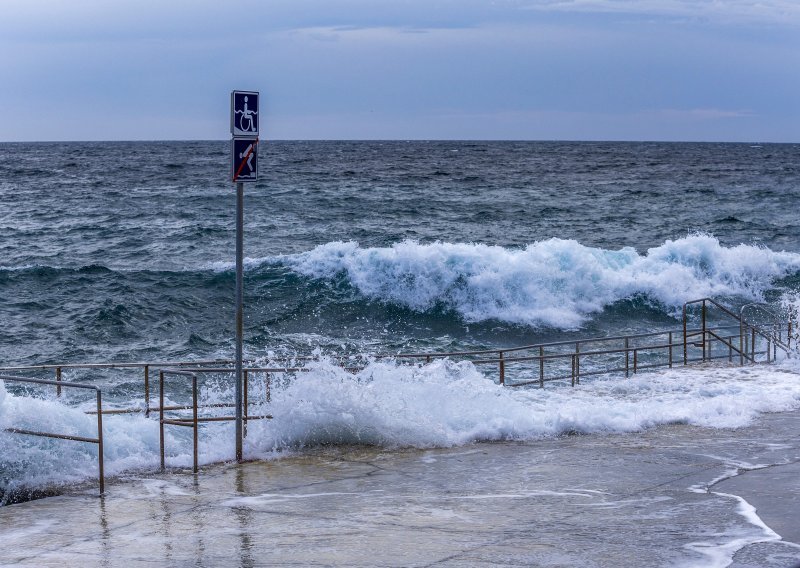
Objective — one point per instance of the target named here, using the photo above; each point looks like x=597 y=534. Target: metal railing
x=146 y=367
x=625 y=353
x=195 y=420
x=554 y=361
x=769 y=326
x=98 y=440
x=568 y=360
x=749 y=333
x=736 y=340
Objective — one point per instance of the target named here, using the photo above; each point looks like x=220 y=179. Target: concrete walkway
x=642 y=499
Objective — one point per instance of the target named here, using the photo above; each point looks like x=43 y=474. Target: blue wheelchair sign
x=244 y=113
x=244 y=159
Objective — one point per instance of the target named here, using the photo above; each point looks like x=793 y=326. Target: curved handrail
x=756 y=330
x=760 y=305
x=777 y=317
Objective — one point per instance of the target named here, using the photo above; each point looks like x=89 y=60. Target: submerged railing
x=563 y=360
x=542 y=362
x=743 y=339
x=60 y=436
x=195 y=420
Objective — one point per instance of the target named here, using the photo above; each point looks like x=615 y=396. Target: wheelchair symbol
x=247 y=122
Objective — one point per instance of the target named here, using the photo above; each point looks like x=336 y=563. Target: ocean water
x=125 y=251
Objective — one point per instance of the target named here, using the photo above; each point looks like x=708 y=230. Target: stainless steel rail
x=772 y=327
x=567 y=360
x=98 y=440
x=575 y=353
x=195 y=421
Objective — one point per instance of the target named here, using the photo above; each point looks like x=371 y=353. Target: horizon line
x=530 y=140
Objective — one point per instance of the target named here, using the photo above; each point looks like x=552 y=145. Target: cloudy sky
x=716 y=70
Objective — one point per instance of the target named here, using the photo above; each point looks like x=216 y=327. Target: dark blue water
x=123 y=251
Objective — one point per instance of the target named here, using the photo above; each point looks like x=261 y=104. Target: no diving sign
x=244 y=154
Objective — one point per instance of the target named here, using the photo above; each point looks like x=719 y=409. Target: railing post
x=577 y=362
x=58 y=379
x=147 y=390
x=704 y=331
x=541 y=366
x=267 y=384
x=627 y=358
x=635 y=360
x=670 y=349
x=194 y=419
x=573 y=370
x=244 y=404
x=100 y=466
x=742 y=341
x=753 y=344
x=161 y=416
x=685 y=341
x=502 y=370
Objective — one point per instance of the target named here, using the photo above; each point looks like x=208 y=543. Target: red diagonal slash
x=244 y=159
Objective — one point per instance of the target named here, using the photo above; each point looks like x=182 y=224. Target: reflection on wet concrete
x=675 y=495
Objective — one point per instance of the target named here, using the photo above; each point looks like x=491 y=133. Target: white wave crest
x=557 y=283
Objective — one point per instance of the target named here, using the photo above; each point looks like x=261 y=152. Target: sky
x=672 y=70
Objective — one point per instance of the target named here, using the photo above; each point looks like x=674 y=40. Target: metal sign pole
x=244 y=168
x=239 y=312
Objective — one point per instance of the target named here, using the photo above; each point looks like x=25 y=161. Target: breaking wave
x=556 y=283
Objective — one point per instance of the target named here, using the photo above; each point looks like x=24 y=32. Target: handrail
x=776 y=337
x=195 y=420
x=172 y=364
x=567 y=358
x=98 y=440
x=773 y=340
x=501 y=359
x=537 y=345
x=161 y=374
x=715 y=304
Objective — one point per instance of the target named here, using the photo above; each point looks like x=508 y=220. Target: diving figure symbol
x=249 y=153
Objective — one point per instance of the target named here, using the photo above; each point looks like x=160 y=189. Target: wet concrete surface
x=671 y=496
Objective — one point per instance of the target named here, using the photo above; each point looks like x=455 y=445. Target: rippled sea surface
x=125 y=251
x=120 y=252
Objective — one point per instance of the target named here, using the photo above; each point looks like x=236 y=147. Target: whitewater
x=394 y=406
x=554 y=283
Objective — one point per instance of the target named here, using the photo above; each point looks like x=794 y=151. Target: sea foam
x=440 y=404
x=555 y=283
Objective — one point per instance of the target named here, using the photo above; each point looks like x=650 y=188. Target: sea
x=125 y=252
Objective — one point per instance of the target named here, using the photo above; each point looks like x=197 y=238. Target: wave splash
x=556 y=283
x=440 y=404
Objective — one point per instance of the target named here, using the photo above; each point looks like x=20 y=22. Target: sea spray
x=444 y=403
x=387 y=404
